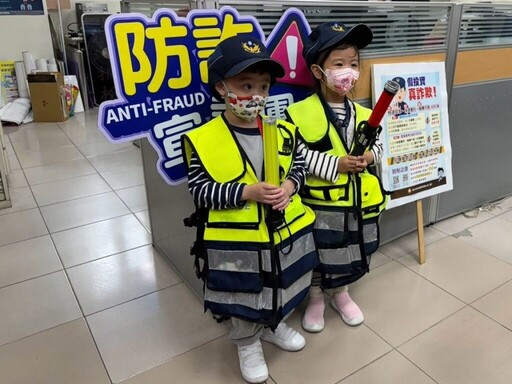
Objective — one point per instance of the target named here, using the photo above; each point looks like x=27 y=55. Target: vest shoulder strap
x=217 y=151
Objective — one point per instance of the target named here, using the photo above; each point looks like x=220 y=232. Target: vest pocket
x=373 y=198
x=247 y=217
x=335 y=192
x=331 y=229
x=234 y=270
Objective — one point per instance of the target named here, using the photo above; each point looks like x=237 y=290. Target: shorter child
x=254 y=273
x=346 y=197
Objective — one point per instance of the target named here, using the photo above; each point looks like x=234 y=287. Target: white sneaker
x=285 y=337
x=252 y=363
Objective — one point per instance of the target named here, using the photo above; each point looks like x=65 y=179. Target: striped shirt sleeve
x=377 y=152
x=319 y=164
x=298 y=171
x=210 y=194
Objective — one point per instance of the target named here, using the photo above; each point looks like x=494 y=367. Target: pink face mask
x=341 y=80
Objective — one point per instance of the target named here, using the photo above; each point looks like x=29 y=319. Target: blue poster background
x=160 y=75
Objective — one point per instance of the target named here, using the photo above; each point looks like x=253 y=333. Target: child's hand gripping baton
x=367 y=131
x=271 y=166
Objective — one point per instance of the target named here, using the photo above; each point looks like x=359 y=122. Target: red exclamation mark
x=291 y=48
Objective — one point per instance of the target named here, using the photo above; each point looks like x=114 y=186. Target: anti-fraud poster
x=159 y=65
x=417 y=153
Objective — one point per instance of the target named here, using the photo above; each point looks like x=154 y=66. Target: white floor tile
x=408 y=244
x=34 y=144
x=116 y=160
x=124 y=177
x=102 y=148
x=55 y=172
x=21 y=226
x=49 y=156
x=143 y=217
x=460 y=222
x=64 y=354
x=392 y=368
x=27 y=259
x=119 y=278
x=87 y=135
x=493 y=237
x=494 y=305
x=90 y=242
x=16 y=179
x=398 y=304
x=465 y=348
x=43 y=133
x=14 y=164
x=83 y=211
x=21 y=199
x=36 y=305
x=134 y=197
x=64 y=190
x=507 y=215
x=460 y=269
x=158 y=327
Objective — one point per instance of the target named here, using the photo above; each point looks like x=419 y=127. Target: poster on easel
x=415 y=132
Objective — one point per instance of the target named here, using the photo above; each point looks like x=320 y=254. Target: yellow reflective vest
x=317 y=131
x=346 y=227
x=251 y=272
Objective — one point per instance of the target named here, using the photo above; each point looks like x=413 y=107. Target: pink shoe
x=350 y=312
x=313 y=319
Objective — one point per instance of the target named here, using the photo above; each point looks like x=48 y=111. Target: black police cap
x=234 y=55
x=329 y=35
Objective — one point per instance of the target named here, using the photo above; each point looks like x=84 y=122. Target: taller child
x=254 y=273
x=345 y=196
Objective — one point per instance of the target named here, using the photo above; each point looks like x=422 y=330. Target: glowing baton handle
x=270 y=152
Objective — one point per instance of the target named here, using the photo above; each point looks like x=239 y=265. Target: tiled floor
x=84 y=298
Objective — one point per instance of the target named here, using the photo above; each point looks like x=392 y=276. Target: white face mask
x=341 y=80
x=245 y=107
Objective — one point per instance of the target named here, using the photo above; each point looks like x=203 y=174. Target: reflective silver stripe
x=257 y=301
x=266 y=263
x=285 y=295
x=234 y=261
x=334 y=221
x=248 y=261
x=261 y=300
x=352 y=223
x=336 y=276
x=340 y=256
x=370 y=232
x=300 y=248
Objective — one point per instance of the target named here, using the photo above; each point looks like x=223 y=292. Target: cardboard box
x=48 y=96
x=54 y=4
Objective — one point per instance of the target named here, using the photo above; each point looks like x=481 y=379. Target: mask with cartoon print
x=245 y=107
x=341 y=80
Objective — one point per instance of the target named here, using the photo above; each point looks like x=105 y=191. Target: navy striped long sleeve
x=212 y=195
x=209 y=194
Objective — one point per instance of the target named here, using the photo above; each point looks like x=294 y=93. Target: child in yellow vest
x=256 y=271
x=346 y=198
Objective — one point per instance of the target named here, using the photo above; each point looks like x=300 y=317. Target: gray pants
x=246 y=333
